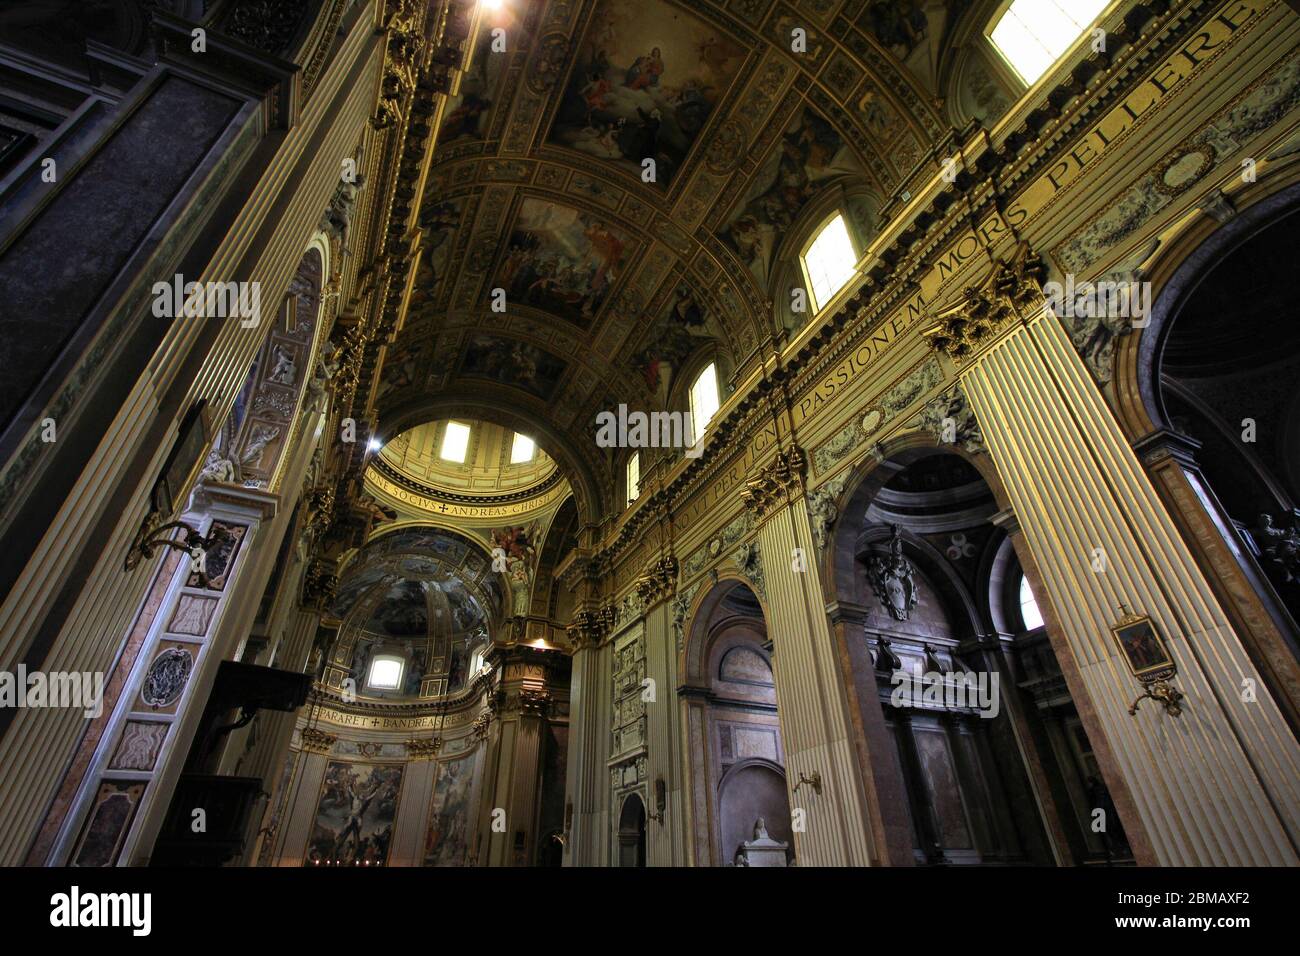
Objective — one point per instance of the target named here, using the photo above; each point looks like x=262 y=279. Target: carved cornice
x=1012 y=290
x=777 y=482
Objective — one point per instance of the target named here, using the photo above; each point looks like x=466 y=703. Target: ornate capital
x=317 y=741
x=1013 y=288
x=777 y=482
x=424 y=749
x=319 y=584
x=587 y=629
x=658 y=581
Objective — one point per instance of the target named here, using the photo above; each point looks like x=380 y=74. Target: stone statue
x=822 y=510
x=262 y=436
x=1281 y=546
x=338 y=215
x=762 y=850
x=951 y=420
x=219 y=469
x=283 y=369
x=892 y=578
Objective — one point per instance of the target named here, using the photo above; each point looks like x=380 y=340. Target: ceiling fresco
x=397 y=582
x=612 y=283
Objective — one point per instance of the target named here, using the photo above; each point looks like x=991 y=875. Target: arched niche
x=736 y=772
x=750 y=791
x=550 y=599
x=914 y=553
x=631 y=837
x=1211 y=370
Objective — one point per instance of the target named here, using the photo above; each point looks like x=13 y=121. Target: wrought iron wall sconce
x=815 y=781
x=661 y=801
x=154 y=535
x=1162 y=692
x=1149 y=660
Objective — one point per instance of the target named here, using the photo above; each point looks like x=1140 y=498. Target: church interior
x=649 y=433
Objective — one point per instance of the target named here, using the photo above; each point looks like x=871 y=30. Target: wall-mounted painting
x=451 y=823
x=354 y=818
x=562 y=260
x=647 y=76
x=512 y=362
x=809 y=155
x=1143 y=649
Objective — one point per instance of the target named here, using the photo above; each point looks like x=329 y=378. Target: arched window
x=522 y=449
x=386 y=672
x=634 y=477
x=1029 y=613
x=1032 y=35
x=704 y=400
x=455 y=442
x=829 y=261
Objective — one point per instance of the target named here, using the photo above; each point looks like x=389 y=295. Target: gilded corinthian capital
x=1012 y=290
x=776 y=482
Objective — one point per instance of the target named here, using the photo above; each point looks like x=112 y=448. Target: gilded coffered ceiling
x=758 y=115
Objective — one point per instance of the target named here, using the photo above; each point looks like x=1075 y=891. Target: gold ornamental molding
x=776 y=483
x=1012 y=290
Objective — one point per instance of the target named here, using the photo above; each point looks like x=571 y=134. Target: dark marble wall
x=59 y=266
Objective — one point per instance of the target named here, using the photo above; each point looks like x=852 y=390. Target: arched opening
x=1223 y=373
x=738 y=774
x=631 y=832
x=962 y=690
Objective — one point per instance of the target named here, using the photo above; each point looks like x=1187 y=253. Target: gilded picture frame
x=1143 y=648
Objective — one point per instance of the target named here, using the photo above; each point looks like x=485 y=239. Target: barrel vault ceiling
x=612 y=282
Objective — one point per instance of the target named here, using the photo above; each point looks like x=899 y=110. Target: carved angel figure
x=1281 y=546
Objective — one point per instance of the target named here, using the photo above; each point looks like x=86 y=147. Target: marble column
x=812 y=700
x=587 y=784
x=524 y=703
x=1220 y=784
